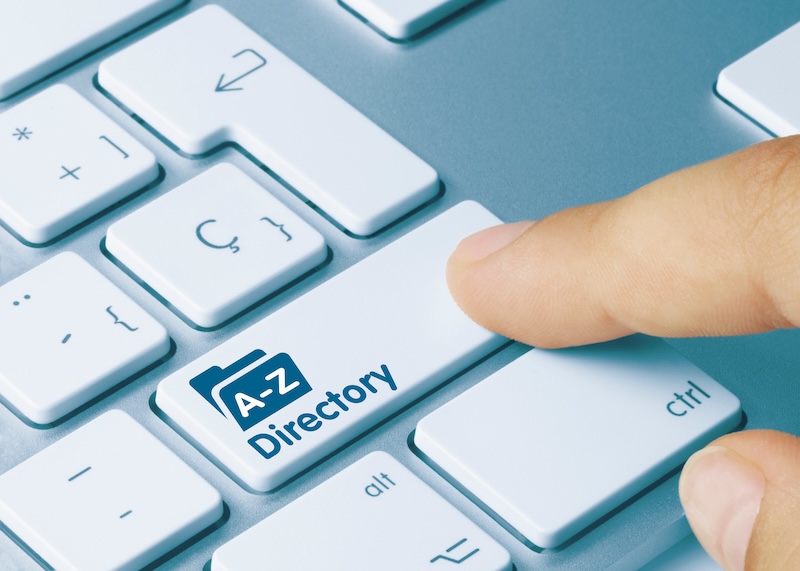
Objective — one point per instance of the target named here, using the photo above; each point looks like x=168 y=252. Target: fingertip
x=721 y=492
x=478 y=246
x=466 y=275
x=531 y=281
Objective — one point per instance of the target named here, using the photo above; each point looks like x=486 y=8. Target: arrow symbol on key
x=222 y=85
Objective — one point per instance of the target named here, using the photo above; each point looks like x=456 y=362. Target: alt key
x=375 y=514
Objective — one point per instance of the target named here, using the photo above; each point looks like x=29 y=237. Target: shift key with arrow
x=207 y=79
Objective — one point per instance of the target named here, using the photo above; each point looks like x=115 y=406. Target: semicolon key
x=208 y=79
x=67 y=334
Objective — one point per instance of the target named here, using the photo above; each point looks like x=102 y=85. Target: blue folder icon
x=267 y=386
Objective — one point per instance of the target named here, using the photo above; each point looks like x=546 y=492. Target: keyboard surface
x=524 y=107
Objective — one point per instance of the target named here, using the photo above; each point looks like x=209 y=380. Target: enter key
x=207 y=80
x=557 y=439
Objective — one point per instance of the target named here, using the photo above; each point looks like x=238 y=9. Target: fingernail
x=481 y=244
x=721 y=493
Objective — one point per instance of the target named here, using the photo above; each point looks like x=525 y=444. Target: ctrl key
x=557 y=439
x=375 y=514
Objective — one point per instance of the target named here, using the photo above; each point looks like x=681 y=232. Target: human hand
x=710 y=250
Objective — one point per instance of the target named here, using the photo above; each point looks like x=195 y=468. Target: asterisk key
x=22 y=133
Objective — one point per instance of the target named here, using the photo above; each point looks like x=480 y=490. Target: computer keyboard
x=226 y=340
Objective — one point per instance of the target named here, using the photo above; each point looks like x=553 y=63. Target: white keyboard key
x=208 y=79
x=43 y=36
x=107 y=496
x=320 y=371
x=557 y=439
x=764 y=83
x=64 y=161
x=68 y=334
x=216 y=245
x=402 y=19
x=335 y=526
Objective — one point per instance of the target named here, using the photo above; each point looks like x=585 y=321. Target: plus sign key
x=64 y=161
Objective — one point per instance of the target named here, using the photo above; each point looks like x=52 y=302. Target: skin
x=713 y=249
